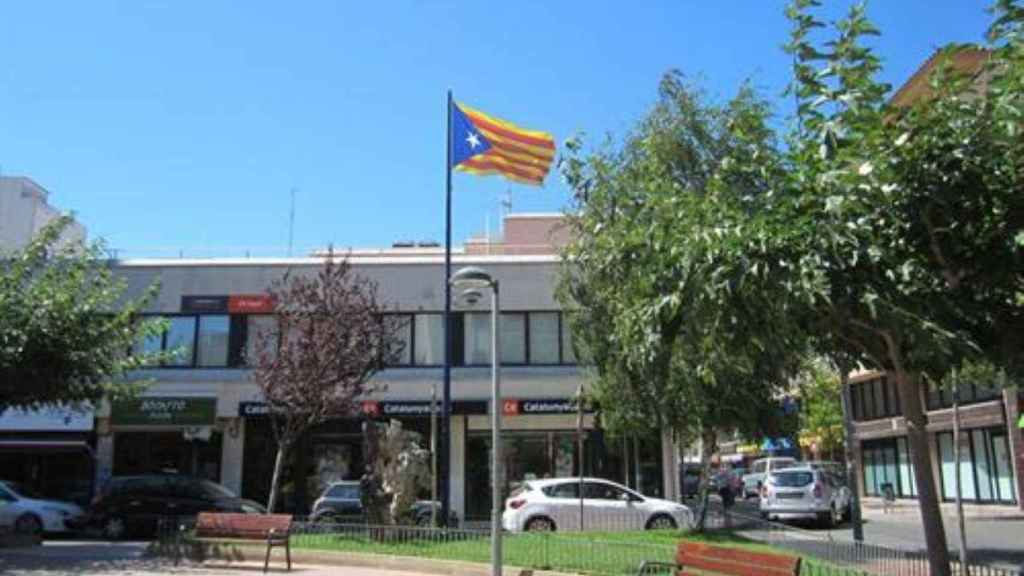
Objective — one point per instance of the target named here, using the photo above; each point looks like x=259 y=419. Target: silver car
x=805 y=493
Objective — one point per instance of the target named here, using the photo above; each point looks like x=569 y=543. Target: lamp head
x=471 y=296
x=471 y=277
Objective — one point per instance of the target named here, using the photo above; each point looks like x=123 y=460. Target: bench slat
x=234 y=525
x=734 y=561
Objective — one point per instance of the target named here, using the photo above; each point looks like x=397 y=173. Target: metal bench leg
x=288 y=552
x=266 y=562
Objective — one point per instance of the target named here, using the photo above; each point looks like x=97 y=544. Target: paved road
x=129 y=559
x=992 y=539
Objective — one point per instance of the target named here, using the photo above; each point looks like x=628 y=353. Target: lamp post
x=471 y=280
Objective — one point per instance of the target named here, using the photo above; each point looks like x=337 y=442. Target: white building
x=24 y=211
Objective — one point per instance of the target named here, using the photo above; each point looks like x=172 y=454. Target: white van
x=752 y=481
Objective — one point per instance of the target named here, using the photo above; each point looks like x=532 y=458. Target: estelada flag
x=486 y=145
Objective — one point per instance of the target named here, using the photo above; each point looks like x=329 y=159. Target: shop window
x=543 y=338
x=213 y=341
x=428 y=332
x=887 y=462
x=180 y=339
x=986 y=473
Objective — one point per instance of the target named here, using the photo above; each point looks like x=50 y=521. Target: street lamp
x=472 y=280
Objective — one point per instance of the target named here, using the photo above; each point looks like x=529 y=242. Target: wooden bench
x=274 y=529
x=708 y=558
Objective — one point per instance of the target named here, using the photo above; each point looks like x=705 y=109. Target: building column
x=232 y=450
x=104 y=467
x=669 y=466
x=457 y=467
x=1015 y=436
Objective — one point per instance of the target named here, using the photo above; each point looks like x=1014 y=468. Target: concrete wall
x=24 y=211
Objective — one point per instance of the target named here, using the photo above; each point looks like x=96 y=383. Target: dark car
x=135 y=504
x=342 y=502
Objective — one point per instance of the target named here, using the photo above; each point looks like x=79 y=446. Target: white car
x=805 y=492
x=23 y=512
x=554 y=504
x=761 y=468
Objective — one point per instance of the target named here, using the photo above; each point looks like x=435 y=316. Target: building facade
x=202 y=415
x=991 y=441
x=25 y=210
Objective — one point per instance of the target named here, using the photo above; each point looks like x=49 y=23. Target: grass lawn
x=588 y=553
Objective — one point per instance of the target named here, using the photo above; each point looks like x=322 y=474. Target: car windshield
x=344 y=491
x=792 y=479
x=22 y=490
x=216 y=490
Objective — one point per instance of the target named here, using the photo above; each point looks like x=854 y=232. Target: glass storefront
x=887 y=462
x=167 y=452
x=986 y=473
x=554 y=454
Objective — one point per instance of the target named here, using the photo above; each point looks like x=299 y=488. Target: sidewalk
x=873 y=506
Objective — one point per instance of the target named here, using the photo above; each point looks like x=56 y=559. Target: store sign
x=47 y=419
x=165 y=411
x=204 y=304
x=518 y=406
x=250 y=304
x=253 y=409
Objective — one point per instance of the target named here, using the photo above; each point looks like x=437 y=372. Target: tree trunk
x=707 y=448
x=920 y=456
x=275 y=483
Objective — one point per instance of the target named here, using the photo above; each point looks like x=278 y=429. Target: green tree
x=67 y=333
x=821 y=407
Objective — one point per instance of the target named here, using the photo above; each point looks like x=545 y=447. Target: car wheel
x=837 y=517
x=114 y=528
x=540 y=524
x=661 y=522
x=28 y=525
x=423 y=520
x=825 y=518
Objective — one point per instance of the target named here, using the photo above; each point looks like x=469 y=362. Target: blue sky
x=183 y=125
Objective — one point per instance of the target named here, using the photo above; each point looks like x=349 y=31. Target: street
x=993 y=539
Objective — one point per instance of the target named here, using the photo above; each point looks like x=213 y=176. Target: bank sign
x=165 y=411
x=519 y=406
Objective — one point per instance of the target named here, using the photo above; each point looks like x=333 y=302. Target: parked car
x=25 y=512
x=342 y=502
x=805 y=493
x=752 y=481
x=554 y=504
x=135 y=504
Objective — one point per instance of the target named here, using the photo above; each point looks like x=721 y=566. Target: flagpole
x=446 y=388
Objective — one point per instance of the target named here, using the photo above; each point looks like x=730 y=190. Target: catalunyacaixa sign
x=228 y=304
x=164 y=411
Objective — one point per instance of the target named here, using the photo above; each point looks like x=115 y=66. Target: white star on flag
x=473 y=140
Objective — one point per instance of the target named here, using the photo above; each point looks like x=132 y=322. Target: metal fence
x=610 y=553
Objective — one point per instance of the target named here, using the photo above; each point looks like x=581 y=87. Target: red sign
x=371 y=408
x=250 y=304
x=510 y=407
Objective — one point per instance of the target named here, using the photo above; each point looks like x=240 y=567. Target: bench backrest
x=734 y=561
x=230 y=525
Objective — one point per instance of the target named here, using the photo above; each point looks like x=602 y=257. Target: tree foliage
x=67 y=333
x=317 y=363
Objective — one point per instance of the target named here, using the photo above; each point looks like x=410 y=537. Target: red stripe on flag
x=482 y=163
x=482 y=122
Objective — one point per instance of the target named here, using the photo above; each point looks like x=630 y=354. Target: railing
x=611 y=553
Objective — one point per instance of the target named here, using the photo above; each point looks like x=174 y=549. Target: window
x=180 y=339
x=345 y=492
x=875 y=398
x=544 y=338
x=601 y=491
x=568 y=353
x=428 y=333
x=564 y=490
x=477 y=338
x=885 y=462
x=513 y=338
x=986 y=473
x=213 y=341
x=401 y=324
x=258 y=329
